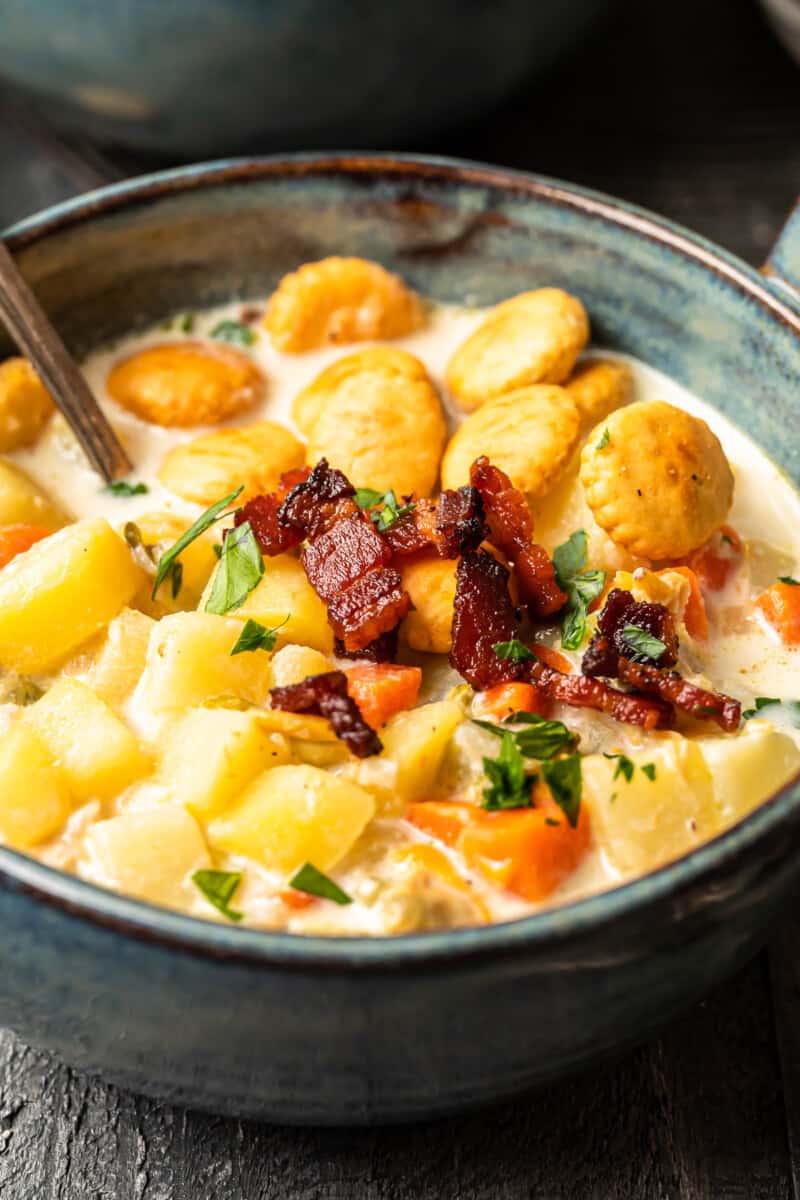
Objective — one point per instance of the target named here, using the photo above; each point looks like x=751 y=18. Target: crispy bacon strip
x=383 y=649
x=337 y=558
x=672 y=688
x=482 y=615
x=272 y=535
x=315 y=504
x=582 y=692
x=326 y=694
x=608 y=644
x=414 y=531
x=511 y=531
x=459 y=522
x=371 y=606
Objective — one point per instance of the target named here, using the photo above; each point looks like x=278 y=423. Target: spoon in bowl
x=37 y=339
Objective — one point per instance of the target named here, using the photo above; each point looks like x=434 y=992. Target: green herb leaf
x=649 y=769
x=508 y=785
x=234 y=332
x=203 y=522
x=311 y=881
x=762 y=702
x=255 y=636
x=219 y=887
x=726 y=537
x=217 y=548
x=625 y=766
x=551 y=821
x=705 y=710
x=788 y=579
x=240 y=569
x=121 y=487
x=564 y=777
x=367 y=497
x=642 y=642
x=543 y=739
x=185 y=322
x=515 y=650
x=581 y=586
x=391 y=511
x=604 y=440
x=176 y=578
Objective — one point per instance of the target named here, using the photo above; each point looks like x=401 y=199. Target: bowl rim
x=549 y=928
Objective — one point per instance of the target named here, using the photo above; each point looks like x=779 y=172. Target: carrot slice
x=553 y=658
x=296 y=900
x=441 y=819
x=694 y=615
x=716 y=560
x=382 y=689
x=780 y=606
x=504 y=699
x=16 y=539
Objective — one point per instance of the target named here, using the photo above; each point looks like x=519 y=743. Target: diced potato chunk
x=151 y=854
x=97 y=753
x=189 y=661
x=120 y=661
x=416 y=742
x=292 y=664
x=22 y=502
x=286 y=590
x=62 y=591
x=212 y=754
x=642 y=823
x=35 y=800
x=198 y=561
x=292 y=815
x=747 y=769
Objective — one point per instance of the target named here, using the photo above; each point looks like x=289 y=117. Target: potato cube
x=292 y=664
x=292 y=815
x=283 y=591
x=120 y=661
x=212 y=754
x=63 y=590
x=35 y=799
x=642 y=822
x=416 y=741
x=22 y=502
x=198 y=562
x=99 y=755
x=151 y=854
x=189 y=661
x=747 y=769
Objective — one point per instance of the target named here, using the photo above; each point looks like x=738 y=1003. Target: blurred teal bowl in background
x=190 y=79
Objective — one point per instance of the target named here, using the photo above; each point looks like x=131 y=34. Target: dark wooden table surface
x=691 y=109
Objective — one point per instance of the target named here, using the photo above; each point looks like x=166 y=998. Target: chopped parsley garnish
x=564 y=777
x=625 y=766
x=551 y=821
x=727 y=539
x=542 y=739
x=176 y=578
x=219 y=888
x=705 y=710
x=203 y=522
x=642 y=642
x=788 y=579
x=581 y=586
x=240 y=569
x=649 y=769
x=604 y=440
x=234 y=332
x=311 y=881
x=185 y=322
x=390 y=509
x=255 y=636
x=367 y=497
x=515 y=650
x=122 y=488
x=509 y=787
x=762 y=702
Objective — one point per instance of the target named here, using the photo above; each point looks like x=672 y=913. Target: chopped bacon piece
x=582 y=692
x=413 y=531
x=348 y=550
x=459 y=522
x=383 y=649
x=672 y=688
x=482 y=615
x=272 y=535
x=372 y=605
x=511 y=531
x=313 y=505
x=608 y=643
x=327 y=695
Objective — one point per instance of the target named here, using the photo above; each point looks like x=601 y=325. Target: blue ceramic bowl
x=341 y=1030
x=211 y=76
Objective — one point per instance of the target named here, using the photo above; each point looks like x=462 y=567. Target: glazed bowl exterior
x=318 y=1030
x=192 y=79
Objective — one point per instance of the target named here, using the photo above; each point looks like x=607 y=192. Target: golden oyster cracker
x=253 y=456
x=25 y=405
x=380 y=360
x=599 y=386
x=431 y=584
x=659 y=484
x=340 y=300
x=532 y=338
x=530 y=434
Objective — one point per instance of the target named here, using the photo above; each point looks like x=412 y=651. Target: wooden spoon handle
x=39 y=342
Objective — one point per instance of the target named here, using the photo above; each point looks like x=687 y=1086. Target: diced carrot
x=16 y=539
x=296 y=900
x=444 y=820
x=694 y=615
x=780 y=606
x=382 y=689
x=553 y=658
x=506 y=698
x=716 y=560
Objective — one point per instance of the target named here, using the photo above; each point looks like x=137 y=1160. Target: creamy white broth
x=747 y=660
